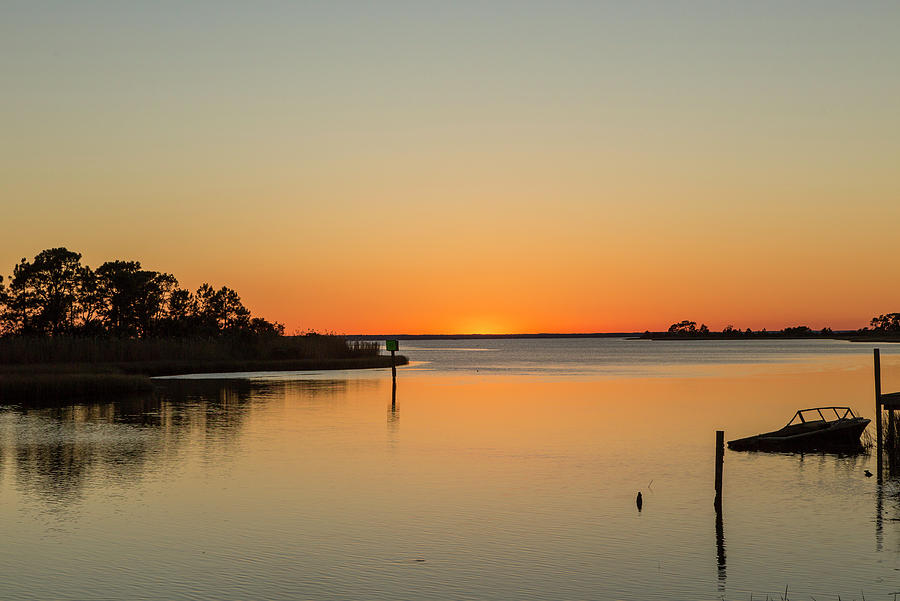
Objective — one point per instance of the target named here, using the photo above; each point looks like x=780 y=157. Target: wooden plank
x=891 y=400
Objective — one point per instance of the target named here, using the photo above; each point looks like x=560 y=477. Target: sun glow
x=484 y=325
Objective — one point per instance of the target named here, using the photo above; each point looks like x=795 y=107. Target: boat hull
x=829 y=436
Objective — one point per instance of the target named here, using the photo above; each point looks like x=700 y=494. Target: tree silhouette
x=886 y=323
x=54 y=294
x=798 y=331
x=43 y=292
x=683 y=327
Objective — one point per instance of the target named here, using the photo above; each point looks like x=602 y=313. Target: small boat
x=810 y=430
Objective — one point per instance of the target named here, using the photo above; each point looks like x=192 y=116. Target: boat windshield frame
x=840 y=414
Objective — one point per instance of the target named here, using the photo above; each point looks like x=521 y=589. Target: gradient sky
x=467 y=166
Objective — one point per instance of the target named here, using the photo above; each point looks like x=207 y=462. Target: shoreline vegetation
x=883 y=328
x=69 y=332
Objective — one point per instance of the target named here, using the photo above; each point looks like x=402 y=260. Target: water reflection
x=720 y=549
x=879 y=517
x=55 y=451
x=59 y=453
x=393 y=419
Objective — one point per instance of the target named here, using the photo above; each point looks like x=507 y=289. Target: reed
x=67 y=349
x=52 y=369
x=167 y=368
x=890 y=436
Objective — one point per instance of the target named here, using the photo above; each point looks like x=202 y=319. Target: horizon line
x=538 y=334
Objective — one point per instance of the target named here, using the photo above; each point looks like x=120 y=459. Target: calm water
x=505 y=470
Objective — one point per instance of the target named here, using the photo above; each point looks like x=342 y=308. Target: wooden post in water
x=394 y=392
x=720 y=460
x=393 y=346
x=878 y=443
x=720 y=527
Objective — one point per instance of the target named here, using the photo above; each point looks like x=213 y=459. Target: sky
x=456 y=167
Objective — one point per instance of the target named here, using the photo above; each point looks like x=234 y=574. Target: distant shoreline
x=847 y=335
x=488 y=336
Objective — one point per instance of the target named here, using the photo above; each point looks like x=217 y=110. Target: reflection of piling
x=879 y=518
x=720 y=546
x=878 y=436
x=720 y=460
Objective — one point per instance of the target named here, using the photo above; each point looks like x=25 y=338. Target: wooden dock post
x=720 y=460
x=878 y=437
x=393 y=346
x=720 y=527
x=394 y=393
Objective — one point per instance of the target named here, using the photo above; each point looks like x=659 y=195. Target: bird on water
x=639 y=501
x=868 y=474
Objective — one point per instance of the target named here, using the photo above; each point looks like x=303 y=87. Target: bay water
x=500 y=469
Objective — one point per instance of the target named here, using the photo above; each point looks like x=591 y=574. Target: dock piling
x=878 y=436
x=720 y=460
x=393 y=365
x=393 y=383
x=393 y=346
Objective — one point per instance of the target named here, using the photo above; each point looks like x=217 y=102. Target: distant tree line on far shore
x=883 y=326
x=55 y=294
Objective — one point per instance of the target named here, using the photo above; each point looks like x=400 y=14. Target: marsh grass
x=66 y=349
x=890 y=437
x=51 y=369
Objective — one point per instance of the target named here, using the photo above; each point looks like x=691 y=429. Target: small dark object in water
x=868 y=474
x=639 y=501
x=809 y=430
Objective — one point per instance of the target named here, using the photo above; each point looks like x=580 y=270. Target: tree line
x=888 y=324
x=55 y=294
x=688 y=329
x=882 y=325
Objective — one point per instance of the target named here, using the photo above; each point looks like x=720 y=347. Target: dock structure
x=889 y=401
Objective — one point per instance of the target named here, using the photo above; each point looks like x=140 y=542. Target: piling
x=393 y=384
x=720 y=460
x=393 y=346
x=878 y=437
